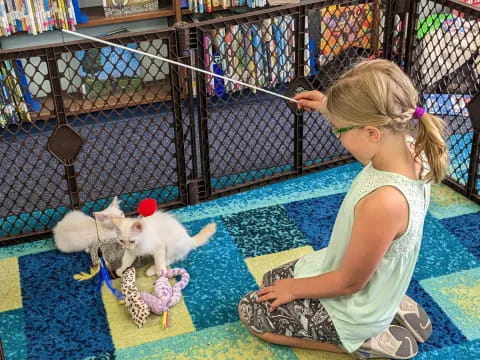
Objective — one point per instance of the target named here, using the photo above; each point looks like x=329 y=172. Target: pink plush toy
x=166 y=295
x=139 y=305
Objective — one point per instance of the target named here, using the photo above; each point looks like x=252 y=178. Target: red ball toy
x=147 y=207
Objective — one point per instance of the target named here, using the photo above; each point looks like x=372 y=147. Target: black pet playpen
x=90 y=121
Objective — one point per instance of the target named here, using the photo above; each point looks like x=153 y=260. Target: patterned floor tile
x=327 y=182
x=10 y=291
x=459 y=296
x=466 y=351
x=467 y=229
x=26 y=249
x=261 y=264
x=13 y=337
x=436 y=243
x=65 y=318
x=445 y=332
x=264 y=231
x=303 y=354
x=446 y=203
x=124 y=331
x=315 y=217
x=230 y=341
x=218 y=278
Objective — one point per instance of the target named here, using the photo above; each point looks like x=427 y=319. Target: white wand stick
x=176 y=63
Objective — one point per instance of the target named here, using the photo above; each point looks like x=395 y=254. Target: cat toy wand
x=176 y=63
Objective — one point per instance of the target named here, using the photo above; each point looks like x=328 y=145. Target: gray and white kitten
x=77 y=231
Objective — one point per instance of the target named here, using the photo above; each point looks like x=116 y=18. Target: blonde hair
x=378 y=93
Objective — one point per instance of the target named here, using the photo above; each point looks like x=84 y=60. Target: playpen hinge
x=183 y=38
x=72 y=187
x=196 y=191
x=402 y=6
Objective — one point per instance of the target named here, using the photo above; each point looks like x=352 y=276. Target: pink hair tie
x=419 y=111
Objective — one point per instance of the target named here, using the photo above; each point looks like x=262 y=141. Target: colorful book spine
x=36 y=16
x=258 y=54
x=306 y=51
x=207 y=45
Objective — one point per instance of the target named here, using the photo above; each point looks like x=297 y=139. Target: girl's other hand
x=312 y=100
x=281 y=292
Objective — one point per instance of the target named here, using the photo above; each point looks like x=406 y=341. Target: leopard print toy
x=134 y=302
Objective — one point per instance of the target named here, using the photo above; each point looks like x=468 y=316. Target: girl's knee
x=244 y=308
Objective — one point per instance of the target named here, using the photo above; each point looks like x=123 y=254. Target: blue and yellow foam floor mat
x=45 y=314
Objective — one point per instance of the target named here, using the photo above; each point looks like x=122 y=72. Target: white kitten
x=77 y=231
x=159 y=235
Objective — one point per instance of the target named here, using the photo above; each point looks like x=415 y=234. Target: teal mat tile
x=26 y=249
x=219 y=278
x=13 y=337
x=441 y=253
x=466 y=351
x=328 y=182
x=264 y=231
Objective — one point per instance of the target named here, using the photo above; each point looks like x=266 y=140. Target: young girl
x=343 y=298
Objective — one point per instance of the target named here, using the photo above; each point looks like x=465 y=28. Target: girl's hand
x=312 y=100
x=281 y=292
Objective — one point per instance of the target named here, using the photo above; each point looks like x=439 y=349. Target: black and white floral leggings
x=302 y=318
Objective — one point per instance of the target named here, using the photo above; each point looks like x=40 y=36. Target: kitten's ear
x=115 y=202
x=137 y=227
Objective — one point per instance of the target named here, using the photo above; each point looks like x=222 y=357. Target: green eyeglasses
x=338 y=132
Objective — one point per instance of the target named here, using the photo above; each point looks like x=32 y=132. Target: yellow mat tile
x=10 y=291
x=303 y=354
x=124 y=331
x=261 y=264
x=231 y=341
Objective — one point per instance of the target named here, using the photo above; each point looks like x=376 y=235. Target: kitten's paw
x=151 y=271
x=119 y=272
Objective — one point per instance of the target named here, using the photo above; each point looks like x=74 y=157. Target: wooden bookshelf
x=76 y=104
x=97 y=16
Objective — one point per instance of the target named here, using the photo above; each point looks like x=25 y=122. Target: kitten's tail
x=205 y=234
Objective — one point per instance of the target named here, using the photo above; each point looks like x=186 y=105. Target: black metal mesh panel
x=121 y=103
x=148 y=133
x=337 y=37
x=33 y=194
x=446 y=67
x=250 y=133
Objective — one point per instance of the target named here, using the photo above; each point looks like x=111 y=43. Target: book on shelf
x=14 y=108
x=36 y=16
x=126 y=7
x=346 y=26
x=260 y=54
x=209 y=6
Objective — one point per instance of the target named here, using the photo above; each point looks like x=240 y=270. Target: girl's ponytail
x=430 y=140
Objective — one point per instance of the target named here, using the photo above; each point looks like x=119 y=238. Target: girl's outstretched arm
x=380 y=217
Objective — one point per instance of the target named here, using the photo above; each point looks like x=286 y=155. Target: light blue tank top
x=368 y=312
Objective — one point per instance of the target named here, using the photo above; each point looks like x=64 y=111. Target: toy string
x=177 y=63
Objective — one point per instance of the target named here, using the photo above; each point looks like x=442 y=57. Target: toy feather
x=105 y=277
